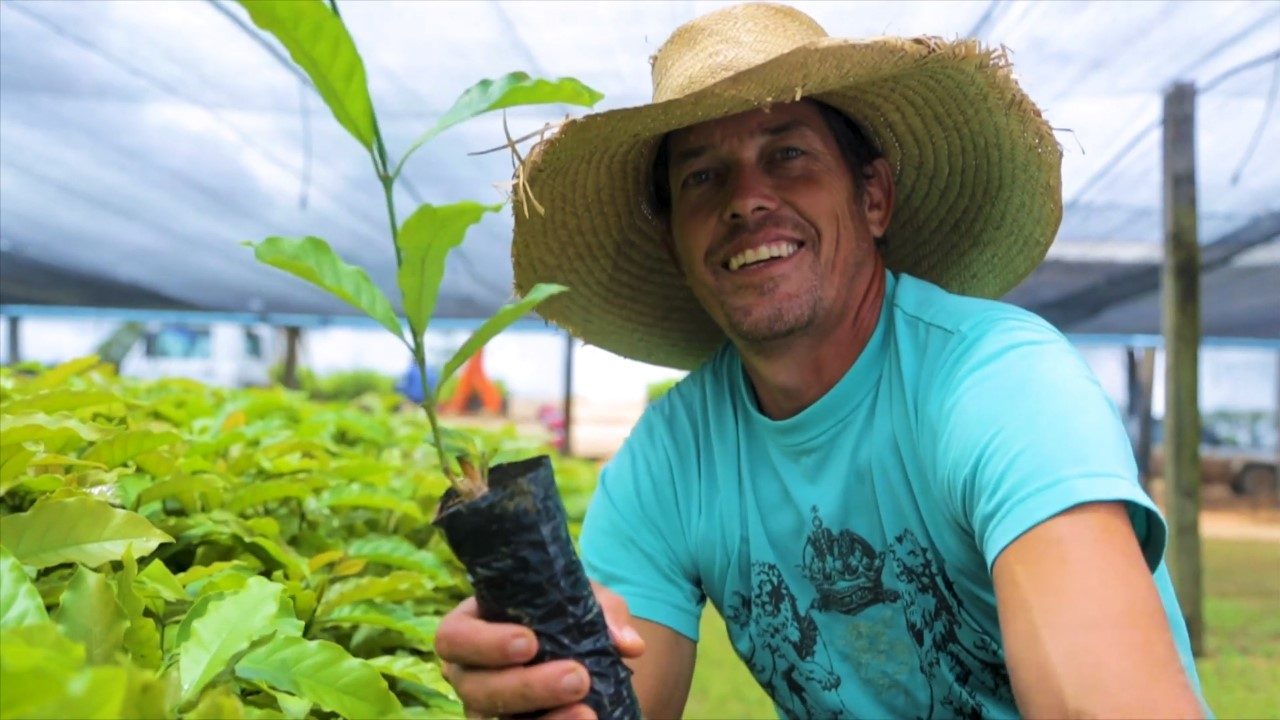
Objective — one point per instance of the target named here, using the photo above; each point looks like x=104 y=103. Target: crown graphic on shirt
x=844 y=568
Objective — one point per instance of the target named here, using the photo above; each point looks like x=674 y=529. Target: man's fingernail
x=519 y=648
x=629 y=635
x=573 y=682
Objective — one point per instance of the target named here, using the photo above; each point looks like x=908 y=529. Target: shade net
x=142 y=142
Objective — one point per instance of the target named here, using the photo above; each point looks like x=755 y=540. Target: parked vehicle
x=223 y=354
x=1249 y=471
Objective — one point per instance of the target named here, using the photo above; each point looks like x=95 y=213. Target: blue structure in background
x=410 y=383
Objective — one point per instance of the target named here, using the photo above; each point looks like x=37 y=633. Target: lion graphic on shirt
x=956 y=670
x=784 y=652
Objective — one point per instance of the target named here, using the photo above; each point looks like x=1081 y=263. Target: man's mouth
x=761 y=254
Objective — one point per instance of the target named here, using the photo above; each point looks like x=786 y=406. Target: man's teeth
x=764 y=252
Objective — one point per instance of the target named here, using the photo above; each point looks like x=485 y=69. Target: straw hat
x=977 y=170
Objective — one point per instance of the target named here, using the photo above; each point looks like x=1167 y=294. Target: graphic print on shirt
x=785 y=652
x=957 y=659
x=788 y=657
x=845 y=570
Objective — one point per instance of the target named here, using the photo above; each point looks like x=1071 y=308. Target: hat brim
x=977 y=170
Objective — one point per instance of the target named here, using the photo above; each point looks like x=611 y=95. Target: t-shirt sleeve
x=1024 y=432
x=633 y=539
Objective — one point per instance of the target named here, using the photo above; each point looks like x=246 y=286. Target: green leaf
x=12 y=468
x=149 y=696
x=397 y=587
x=225 y=629
x=79 y=529
x=394 y=551
x=510 y=90
x=40 y=645
x=293 y=707
x=60 y=399
x=159 y=581
x=58 y=375
x=122 y=447
x=20 y=602
x=417 y=627
x=311 y=259
x=56 y=460
x=318 y=41
x=194 y=575
x=141 y=638
x=89 y=614
x=367 y=497
x=411 y=667
x=260 y=493
x=52 y=430
x=506 y=315
x=93 y=693
x=323 y=673
x=176 y=636
x=274 y=555
x=460 y=443
x=425 y=240
x=221 y=703
x=193 y=491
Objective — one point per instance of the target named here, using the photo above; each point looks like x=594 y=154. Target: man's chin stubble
x=778 y=324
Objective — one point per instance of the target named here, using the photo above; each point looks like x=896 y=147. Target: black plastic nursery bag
x=514 y=542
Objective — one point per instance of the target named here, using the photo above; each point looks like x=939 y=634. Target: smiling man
x=906 y=500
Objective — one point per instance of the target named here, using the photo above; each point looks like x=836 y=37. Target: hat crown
x=725 y=42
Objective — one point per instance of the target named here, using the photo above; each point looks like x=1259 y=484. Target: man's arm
x=664 y=672
x=1084 y=629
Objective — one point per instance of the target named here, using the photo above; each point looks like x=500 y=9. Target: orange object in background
x=473 y=381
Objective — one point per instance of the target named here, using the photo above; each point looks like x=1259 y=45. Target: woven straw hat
x=977 y=170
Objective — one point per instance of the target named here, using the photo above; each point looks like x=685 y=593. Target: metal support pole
x=567 y=449
x=1180 y=298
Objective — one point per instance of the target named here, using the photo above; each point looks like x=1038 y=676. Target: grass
x=722 y=685
x=1240 y=672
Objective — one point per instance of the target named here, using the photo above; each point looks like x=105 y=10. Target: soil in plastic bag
x=514 y=542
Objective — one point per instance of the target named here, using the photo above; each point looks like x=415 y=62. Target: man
x=905 y=502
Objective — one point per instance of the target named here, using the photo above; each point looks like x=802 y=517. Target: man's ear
x=878 y=195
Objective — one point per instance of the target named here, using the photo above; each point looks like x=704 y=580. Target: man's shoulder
x=921 y=303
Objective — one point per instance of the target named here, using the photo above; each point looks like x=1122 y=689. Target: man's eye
x=789 y=153
x=697 y=177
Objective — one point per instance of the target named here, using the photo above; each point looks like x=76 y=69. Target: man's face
x=766 y=223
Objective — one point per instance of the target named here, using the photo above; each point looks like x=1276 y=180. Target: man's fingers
x=618 y=618
x=464 y=639
x=520 y=689
x=573 y=712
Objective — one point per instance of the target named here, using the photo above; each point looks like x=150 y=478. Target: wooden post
x=289 y=374
x=1180 y=298
x=567 y=449
x=15 y=349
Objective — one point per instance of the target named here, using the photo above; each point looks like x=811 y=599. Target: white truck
x=218 y=353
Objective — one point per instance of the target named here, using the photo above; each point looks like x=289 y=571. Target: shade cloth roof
x=140 y=142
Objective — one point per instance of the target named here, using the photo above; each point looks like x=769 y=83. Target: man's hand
x=485 y=662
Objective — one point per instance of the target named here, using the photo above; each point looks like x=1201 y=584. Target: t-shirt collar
x=836 y=404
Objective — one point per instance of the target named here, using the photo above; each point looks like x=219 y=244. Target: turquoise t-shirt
x=849 y=548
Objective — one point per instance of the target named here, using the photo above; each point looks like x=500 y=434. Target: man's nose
x=750 y=193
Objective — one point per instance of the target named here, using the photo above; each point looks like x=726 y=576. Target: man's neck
x=789 y=379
